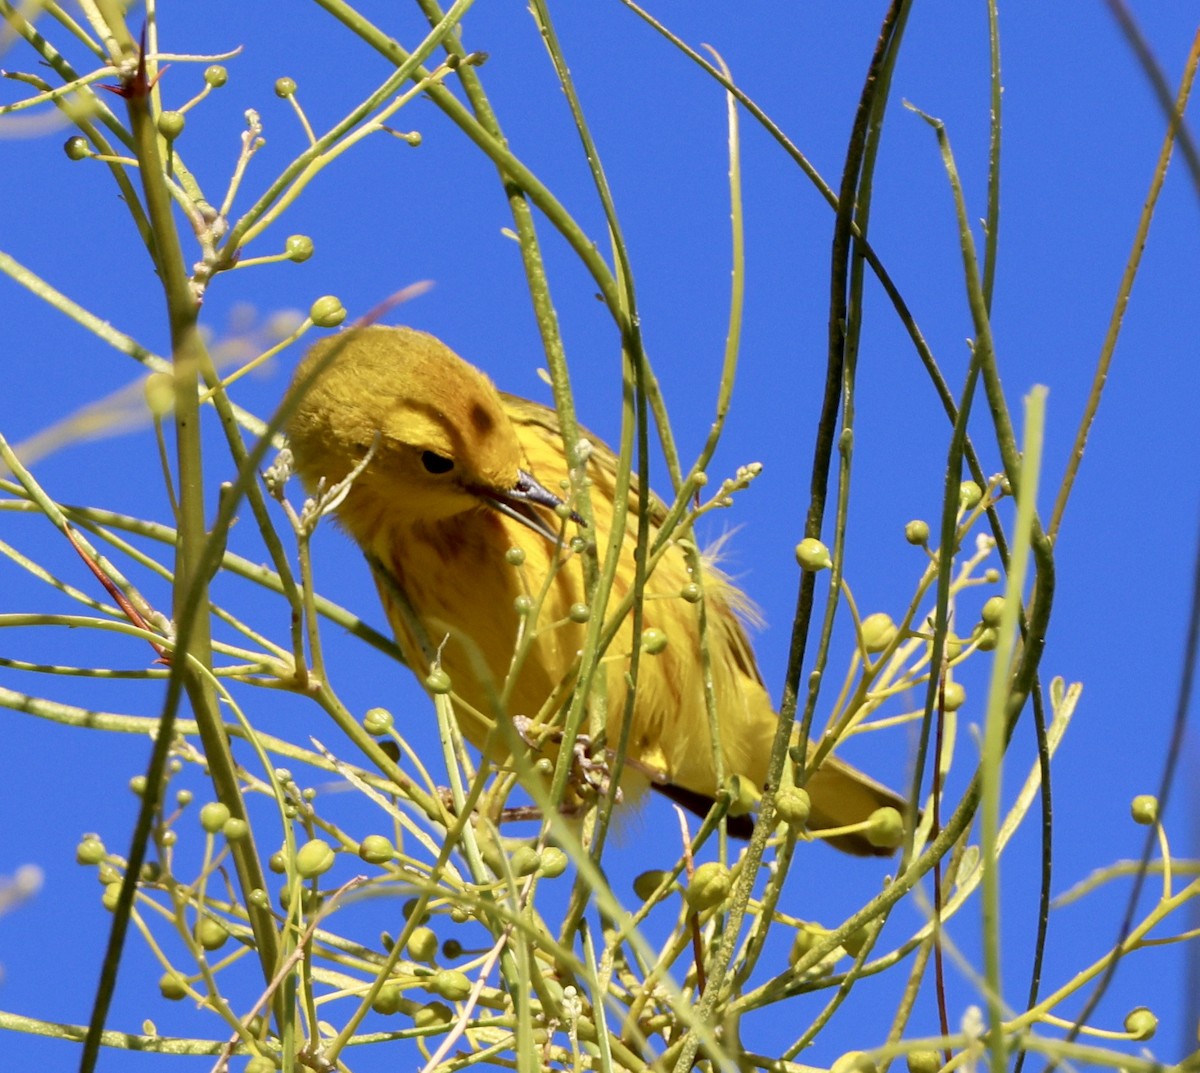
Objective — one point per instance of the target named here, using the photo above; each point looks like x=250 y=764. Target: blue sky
x=1081 y=134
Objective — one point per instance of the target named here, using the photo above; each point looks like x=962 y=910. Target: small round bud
x=544 y=766
x=77 y=148
x=387 y=1000
x=138 y=784
x=954 y=695
x=554 y=862
x=376 y=849
x=90 y=850
x=986 y=640
x=170 y=124
x=259 y=898
x=885 y=828
x=211 y=933
x=432 y=1015
x=410 y=907
x=437 y=681
x=459 y=915
x=327 y=312
x=314 y=858
x=924 y=1061
x=284 y=87
x=806 y=938
x=214 y=816
x=744 y=796
x=579 y=613
x=917 y=532
x=523 y=604
x=1144 y=809
x=172 y=986
x=1141 y=1024
x=423 y=945
x=151 y=872
x=992 y=611
x=106 y=874
x=653 y=641
x=112 y=892
x=515 y=556
x=277 y=862
x=159 y=393
x=525 y=861
x=878 y=631
x=691 y=592
x=259 y=1063
x=854 y=1062
x=709 y=886
x=991 y=576
x=235 y=829
x=299 y=248
x=969 y=495
x=792 y=807
x=183 y=798
x=812 y=555
x=216 y=75
x=169 y=838
x=855 y=941
x=377 y=721
x=452 y=948
x=647 y=883
x=449 y=984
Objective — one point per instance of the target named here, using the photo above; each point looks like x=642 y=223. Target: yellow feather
x=447 y=493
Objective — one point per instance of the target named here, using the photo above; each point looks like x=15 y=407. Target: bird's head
x=443 y=443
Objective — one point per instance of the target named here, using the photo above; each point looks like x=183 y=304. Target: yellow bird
x=459 y=475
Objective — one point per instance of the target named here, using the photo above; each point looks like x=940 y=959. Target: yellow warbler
x=458 y=476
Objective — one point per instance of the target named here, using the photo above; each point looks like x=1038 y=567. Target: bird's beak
x=520 y=503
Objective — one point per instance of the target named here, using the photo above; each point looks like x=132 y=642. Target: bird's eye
x=436 y=463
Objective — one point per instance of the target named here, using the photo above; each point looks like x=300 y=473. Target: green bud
x=449 y=984
x=423 y=945
x=172 y=986
x=854 y=1062
x=183 y=798
x=260 y=1063
x=955 y=696
x=987 y=639
x=216 y=75
x=452 y=948
x=653 y=641
x=214 y=816
x=112 y=891
x=515 y=556
x=387 y=1001
x=854 y=942
x=211 y=933
x=138 y=784
x=709 y=886
x=235 y=830
x=691 y=592
x=1144 y=809
x=993 y=611
x=77 y=148
x=437 y=681
x=1141 y=1024
x=376 y=849
x=410 y=907
x=327 y=312
x=792 y=807
x=579 y=613
x=432 y=1015
x=647 y=883
x=525 y=861
x=812 y=555
x=299 y=248
x=523 y=604
x=285 y=87
x=885 y=828
x=277 y=862
x=878 y=631
x=90 y=850
x=170 y=124
x=377 y=721
x=554 y=862
x=924 y=1061
x=917 y=532
x=969 y=495
x=314 y=858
